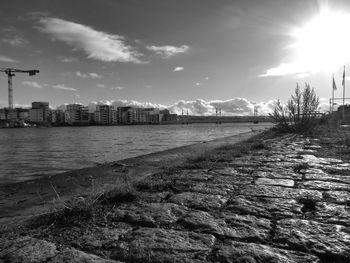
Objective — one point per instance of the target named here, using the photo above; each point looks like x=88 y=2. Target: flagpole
x=332 y=95
x=344 y=95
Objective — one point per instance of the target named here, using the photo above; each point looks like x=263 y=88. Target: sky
x=191 y=55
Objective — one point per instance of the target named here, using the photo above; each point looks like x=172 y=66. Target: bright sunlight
x=321 y=45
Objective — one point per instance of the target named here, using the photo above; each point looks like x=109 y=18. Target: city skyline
x=194 y=55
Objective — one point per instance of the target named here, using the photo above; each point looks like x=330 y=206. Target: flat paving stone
x=192 y=175
x=277 y=182
x=26 y=250
x=333 y=213
x=149 y=214
x=327 y=177
x=240 y=252
x=328 y=240
x=265 y=207
x=234 y=180
x=76 y=256
x=203 y=222
x=247 y=227
x=198 y=200
x=277 y=174
x=213 y=188
x=99 y=237
x=278 y=192
x=323 y=185
x=163 y=245
x=338 y=197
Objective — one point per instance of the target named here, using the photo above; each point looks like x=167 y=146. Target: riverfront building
x=40 y=112
x=76 y=114
x=105 y=115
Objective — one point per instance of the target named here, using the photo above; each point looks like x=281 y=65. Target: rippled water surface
x=27 y=153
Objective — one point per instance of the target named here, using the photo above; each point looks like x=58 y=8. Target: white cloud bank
x=178 y=69
x=7 y=59
x=32 y=84
x=97 y=45
x=91 y=75
x=63 y=87
x=168 y=51
x=236 y=106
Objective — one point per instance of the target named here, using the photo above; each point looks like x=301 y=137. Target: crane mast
x=10 y=73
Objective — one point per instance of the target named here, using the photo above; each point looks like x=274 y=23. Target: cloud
x=11 y=36
x=97 y=45
x=206 y=78
x=32 y=84
x=117 y=88
x=198 y=84
x=100 y=85
x=7 y=59
x=66 y=59
x=148 y=86
x=178 y=69
x=232 y=107
x=15 y=41
x=286 y=69
x=63 y=87
x=88 y=75
x=168 y=51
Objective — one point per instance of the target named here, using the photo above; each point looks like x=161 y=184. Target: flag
x=343 y=83
x=334 y=85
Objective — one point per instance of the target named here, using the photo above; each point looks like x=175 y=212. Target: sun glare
x=323 y=44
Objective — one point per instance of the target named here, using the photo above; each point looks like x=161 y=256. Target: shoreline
x=21 y=200
x=267 y=198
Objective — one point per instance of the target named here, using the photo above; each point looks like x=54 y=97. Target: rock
x=338 y=197
x=76 y=256
x=278 y=192
x=202 y=221
x=213 y=188
x=192 y=175
x=333 y=214
x=99 y=237
x=161 y=245
x=246 y=227
x=276 y=174
x=228 y=171
x=314 y=161
x=155 y=197
x=264 y=207
x=322 y=185
x=233 y=180
x=199 y=201
x=149 y=215
x=278 y=182
x=27 y=249
x=322 y=239
x=322 y=176
x=239 y=252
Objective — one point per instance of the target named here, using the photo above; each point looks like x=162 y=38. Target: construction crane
x=10 y=73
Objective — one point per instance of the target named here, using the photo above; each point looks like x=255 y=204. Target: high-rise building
x=105 y=115
x=76 y=114
x=40 y=112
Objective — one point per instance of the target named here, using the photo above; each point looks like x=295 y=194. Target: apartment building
x=105 y=115
x=40 y=112
x=76 y=114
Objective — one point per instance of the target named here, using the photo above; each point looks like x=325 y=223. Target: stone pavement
x=280 y=203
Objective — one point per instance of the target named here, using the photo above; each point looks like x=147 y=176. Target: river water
x=33 y=152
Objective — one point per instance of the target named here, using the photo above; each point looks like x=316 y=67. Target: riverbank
x=18 y=201
x=271 y=198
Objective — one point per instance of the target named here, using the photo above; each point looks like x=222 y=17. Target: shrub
x=300 y=113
